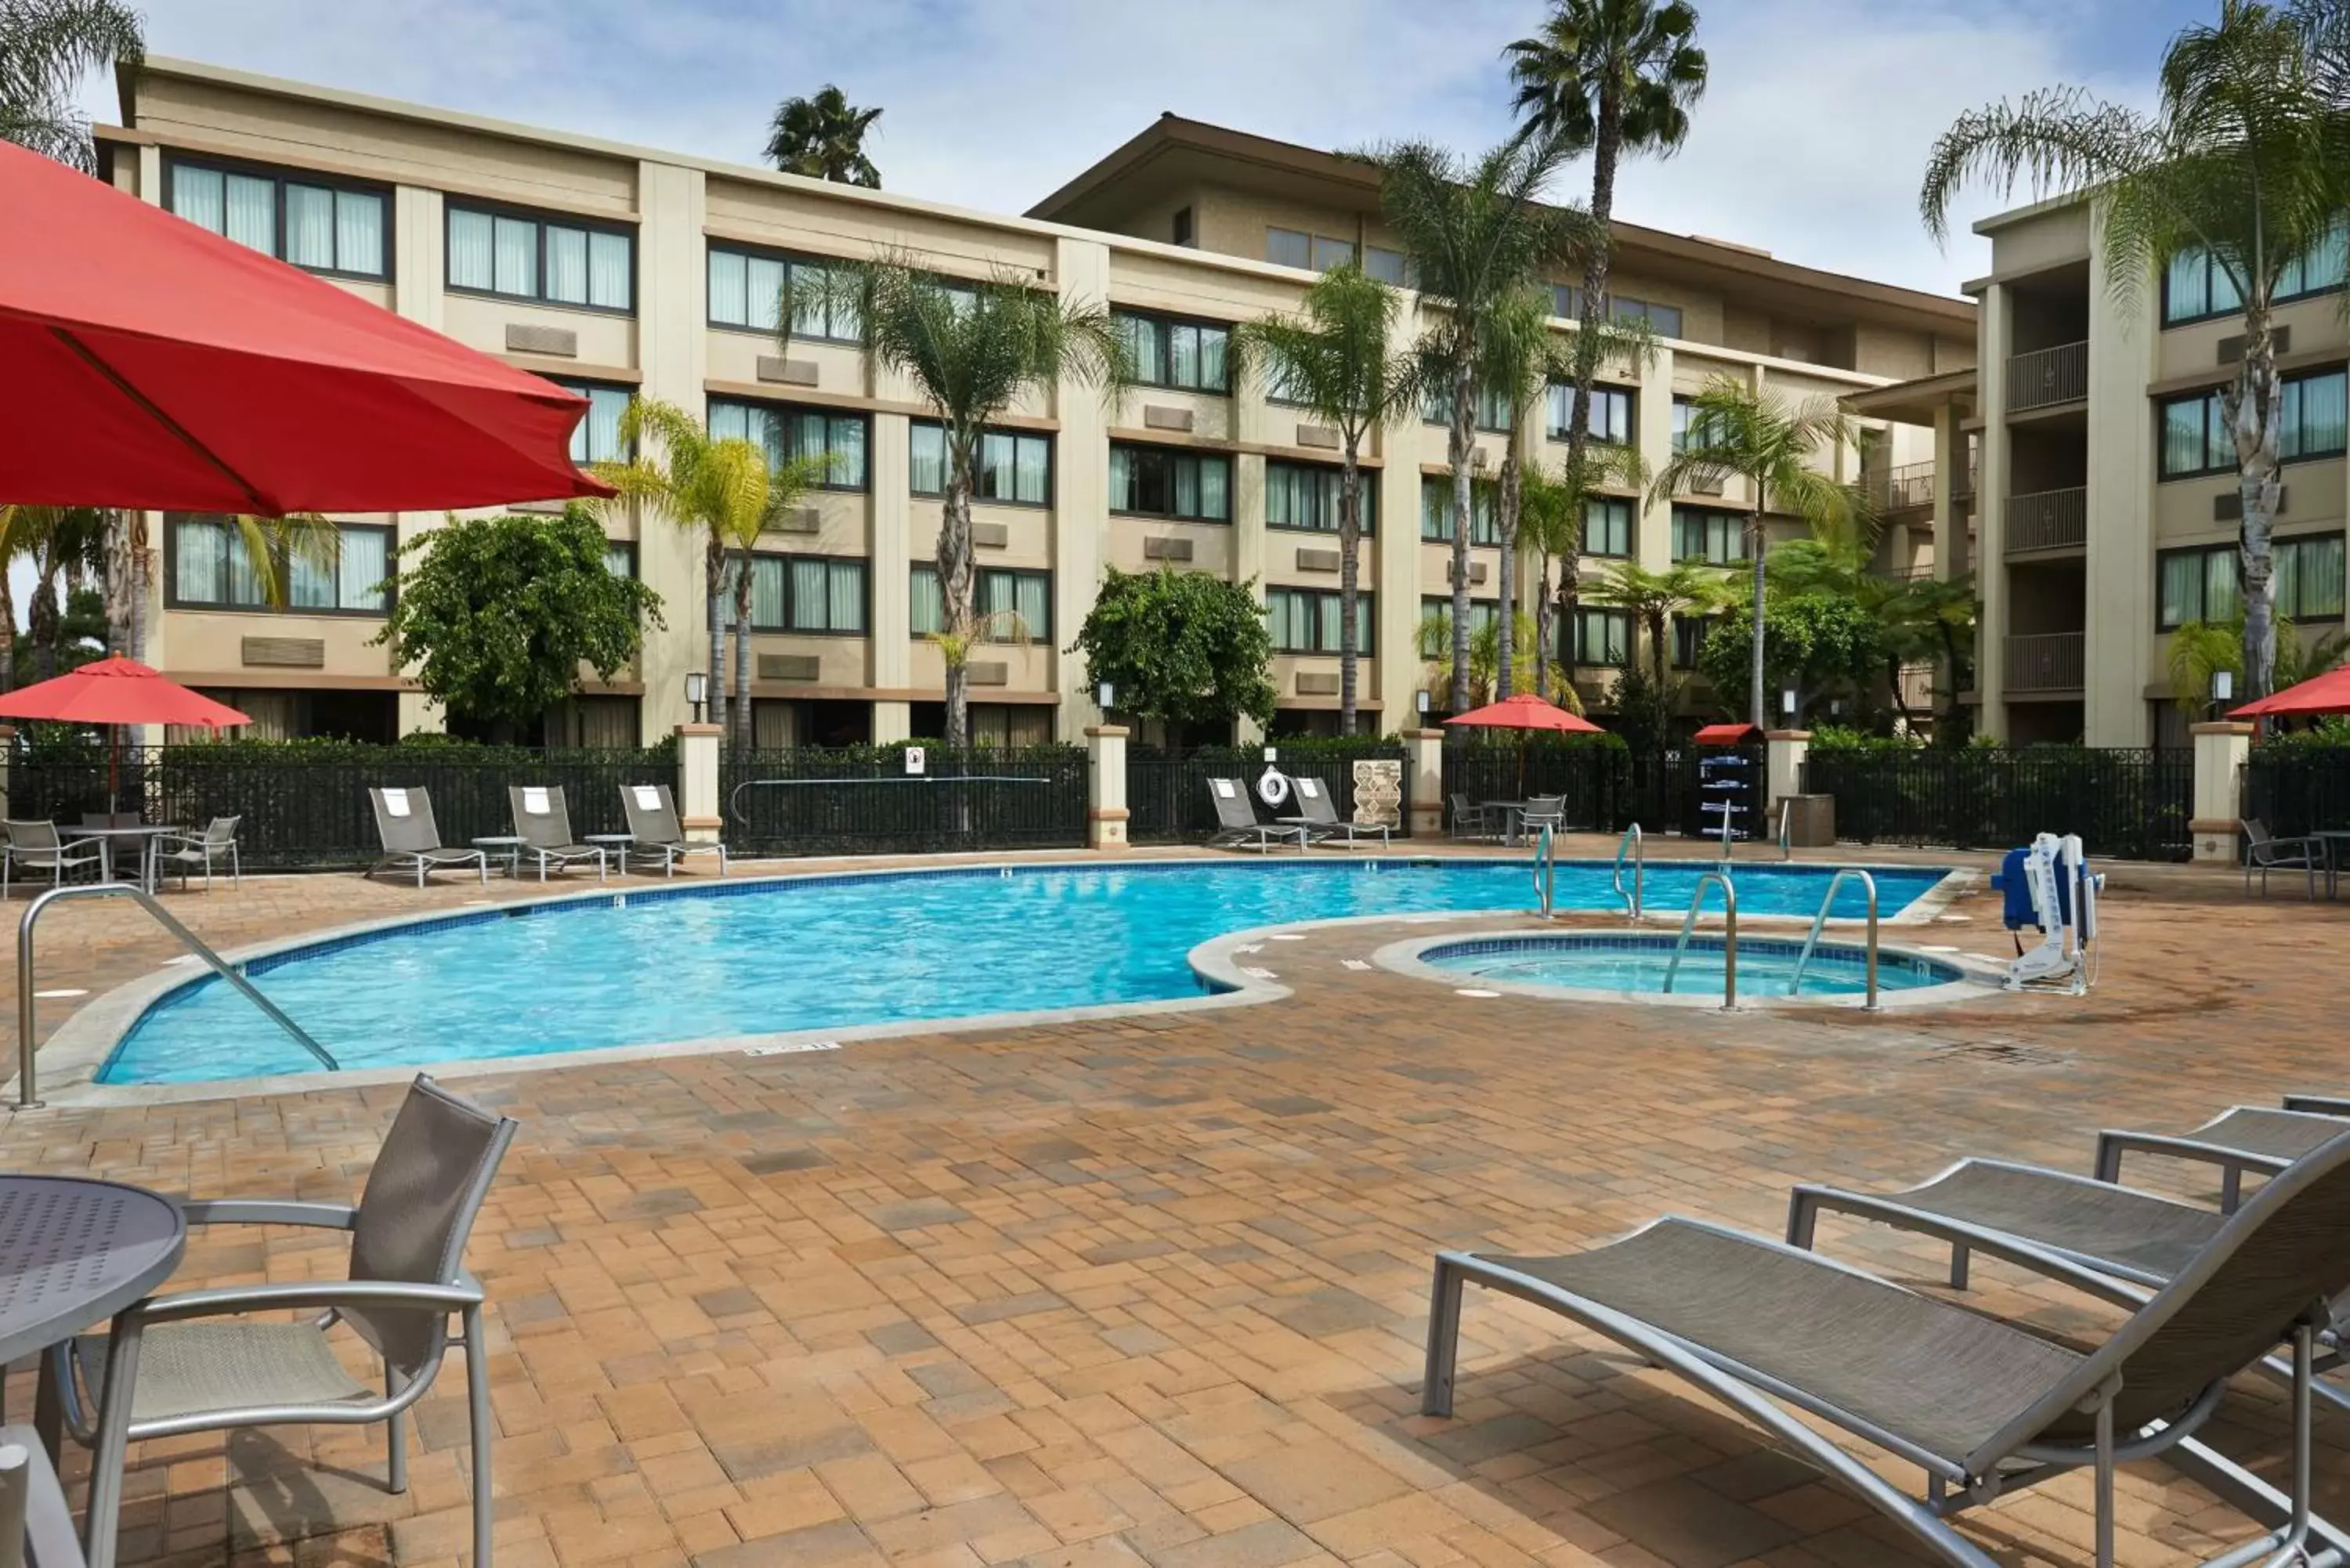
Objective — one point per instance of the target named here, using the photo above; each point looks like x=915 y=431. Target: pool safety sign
x=913 y=762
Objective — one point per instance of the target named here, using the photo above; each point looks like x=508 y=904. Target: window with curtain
x=1436 y=511
x=1168 y=351
x=1611 y=413
x=300 y=219
x=1483 y=613
x=2312 y=419
x=1161 y=482
x=1289 y=247
x=210 y=568
x=597 y=437
x=1306 y=620
x=1690 y=632
x=620 y=558
x=1664 y=320
x=2196 y=288
x=748 y=288
x=1020 y=603
x=1607 y=525
x=1701 y=533
x=789 y=433
x=1015 y=468
x=1388 y=266
x=541 y=259
x=2194 y=439
x=2195 y=585
x=1305 y=496
x=2309 y=578
x=1602 y=639
x=1493 y=411
x=814 y=594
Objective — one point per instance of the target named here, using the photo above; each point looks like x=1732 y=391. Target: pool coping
x=69 y=1062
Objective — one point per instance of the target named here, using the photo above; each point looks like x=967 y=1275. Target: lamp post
x=1104 y=695
x=697 y=690
x=2223 y=689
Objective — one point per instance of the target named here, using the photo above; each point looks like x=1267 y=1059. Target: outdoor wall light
x=1420 y=701
x=1787 y=702
x=1103 y=696
x=697 y=690
x=2223 y=685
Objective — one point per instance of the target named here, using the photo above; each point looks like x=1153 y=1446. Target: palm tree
x=1738 y=431
x=972 y=351
x=1552 y=510
x=2244 y=160
x=46 y=48
x=1605 y=76
x=1433 y=637
x=1335 y=362
x=1477 y=235
x=64 y=544
x=727 y=491
x=823 y=138
x=2200 y=649
x=1654 y=598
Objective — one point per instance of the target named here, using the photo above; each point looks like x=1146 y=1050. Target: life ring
x=1273 y=787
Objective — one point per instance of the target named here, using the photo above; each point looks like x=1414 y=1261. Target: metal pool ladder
x=1729 y=936
x=1804 y=957
x=1633 y=845
x=28 y=1098
x=1546 y=869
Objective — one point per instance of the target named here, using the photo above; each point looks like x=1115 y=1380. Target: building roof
x=1916 y=402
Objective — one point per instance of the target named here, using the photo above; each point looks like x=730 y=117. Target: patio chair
x=188 y=852
x=1236 y=823
x=1544 y=811
x=1470 y=820
x=653 y=825
x=1981 y=1405
x=543 y=823
x=411 y=840
x=50 y=1541
x=37 y=847
x=1321 y=819
x=2264 y=852
x=169 y=1368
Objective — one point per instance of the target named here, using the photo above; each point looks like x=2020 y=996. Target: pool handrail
x=1635 y=844
x=1546 y=870
x=1729 y=936
x=27 y=1002
x=1786 y=827
x=1813 y=940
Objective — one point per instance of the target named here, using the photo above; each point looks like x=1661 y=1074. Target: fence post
x=2216 y=819
x=1784 y=752
x=1106 y=812
x=697 y=782
x=1425 y=772
x=7 y=750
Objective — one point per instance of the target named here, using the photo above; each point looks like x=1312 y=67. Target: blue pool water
x=1766 y=966
x=832 y=953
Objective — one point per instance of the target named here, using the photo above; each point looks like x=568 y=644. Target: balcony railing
x=1962 y=487
x=2046 y=661
x=2047 y=377
x=2048 y=520
x=1896 y=489
x=1917 y=688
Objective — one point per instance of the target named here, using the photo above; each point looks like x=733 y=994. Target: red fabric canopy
x=116 y=691
x=153 y=364
x=1725 y=735
x=2326 y=693
x=1526 y=712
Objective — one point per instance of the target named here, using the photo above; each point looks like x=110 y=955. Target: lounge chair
x=37 y=847
x=2240 y=1138
x=1318 y=814
x=183 y=1373
x=1236 y=823
x=1981 y=1405
x=654 y=828
x=192 y=852
x=2264 y=852
x=543 y=822
x=411 y=840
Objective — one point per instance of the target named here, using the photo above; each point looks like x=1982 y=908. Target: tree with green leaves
x=1335 y=362
x=2243 y=165
x=46 y=46
x=1433 y=638
x=823 y=136
x=1654 y=599
x=63 y=545
x=1818 y=644
x=495 y=614
x=972 y=351
x=1607 y=77
x=1182 y=648
x=2200 y=649
x=1477 y=235
x=1736 y=431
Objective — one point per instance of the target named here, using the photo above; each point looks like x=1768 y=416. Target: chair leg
x=395 y=1443
x=477 y=1400
x=100 y=1528
x=1443 y=1340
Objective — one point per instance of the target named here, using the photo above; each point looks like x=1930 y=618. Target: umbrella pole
x=113 y=767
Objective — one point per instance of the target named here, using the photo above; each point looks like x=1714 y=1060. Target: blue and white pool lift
x=2050 y=888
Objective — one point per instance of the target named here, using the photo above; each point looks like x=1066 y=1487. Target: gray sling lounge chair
x=543 y=822
x=1980 y=1405
x=411 y=840
x=169 y=1368
x=654 y=829
x=1236 y=823
x=2239 y=1139
x=1318 y=814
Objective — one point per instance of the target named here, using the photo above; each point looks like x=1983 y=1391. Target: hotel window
x=748 y=289
x=1160 y=481
x=1167 y=352
x=1611 y=413
x=325 y=227
x=810 y=594
x=620 y=558
x=597 y=437
x=1436 y=511
x=1388 y=266
x=1018 y=605
x=1183 y=232
x=1701 y=534
x=1305 y=496
x=1664 y=320
x=1434 y=609
x=211 y=568
x=518 y=257
x=1014 y=468
x=1308 y=253
x=1306 y=620
x=2197 y=288
x=1683 y=411
x=1602 y=639
x=1493 y=411
x=1607 y=522
x=2309 y=581
x=2202 y=584
x=790 y=433
x=2312 y=421
x=1690 y=632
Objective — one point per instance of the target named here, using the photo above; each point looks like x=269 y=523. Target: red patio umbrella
x=155 y=364
x=114 y=692
x=1526 y=713
x=2326 y=693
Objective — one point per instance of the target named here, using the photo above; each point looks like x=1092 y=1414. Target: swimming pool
x=720 y=960
x=1634 y=964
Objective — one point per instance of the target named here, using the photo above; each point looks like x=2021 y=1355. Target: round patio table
x=74 y=1251
x=142 y=838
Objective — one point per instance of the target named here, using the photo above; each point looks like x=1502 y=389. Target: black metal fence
x=2293 y=788
x=1167 y=797
x=1595 y=777
x=2125 y=801
x=861 y=800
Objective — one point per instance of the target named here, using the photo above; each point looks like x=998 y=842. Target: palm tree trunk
x=1350 y=538
x=1606 y=144
x=1658 y=617
x=1542 y=624
x=714 y=572
x=739 y=737
x=1755 y=548
x=956 y=586
x=1460 y=442
x=2252 y=409
x=7 y=632
x=44 y=621
x=1506 y=627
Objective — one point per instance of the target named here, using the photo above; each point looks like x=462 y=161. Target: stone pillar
x=1424 y=780
x=1106 y=787
x=697 y=782
x=2216 y=821
x=1784 y=752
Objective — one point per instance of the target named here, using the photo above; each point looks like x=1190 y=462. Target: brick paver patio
x=1151 y=1291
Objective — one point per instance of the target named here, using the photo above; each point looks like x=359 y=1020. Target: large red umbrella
x=115 y=691
x=2326 y=693
x=1526 y=712
x=153 y=364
